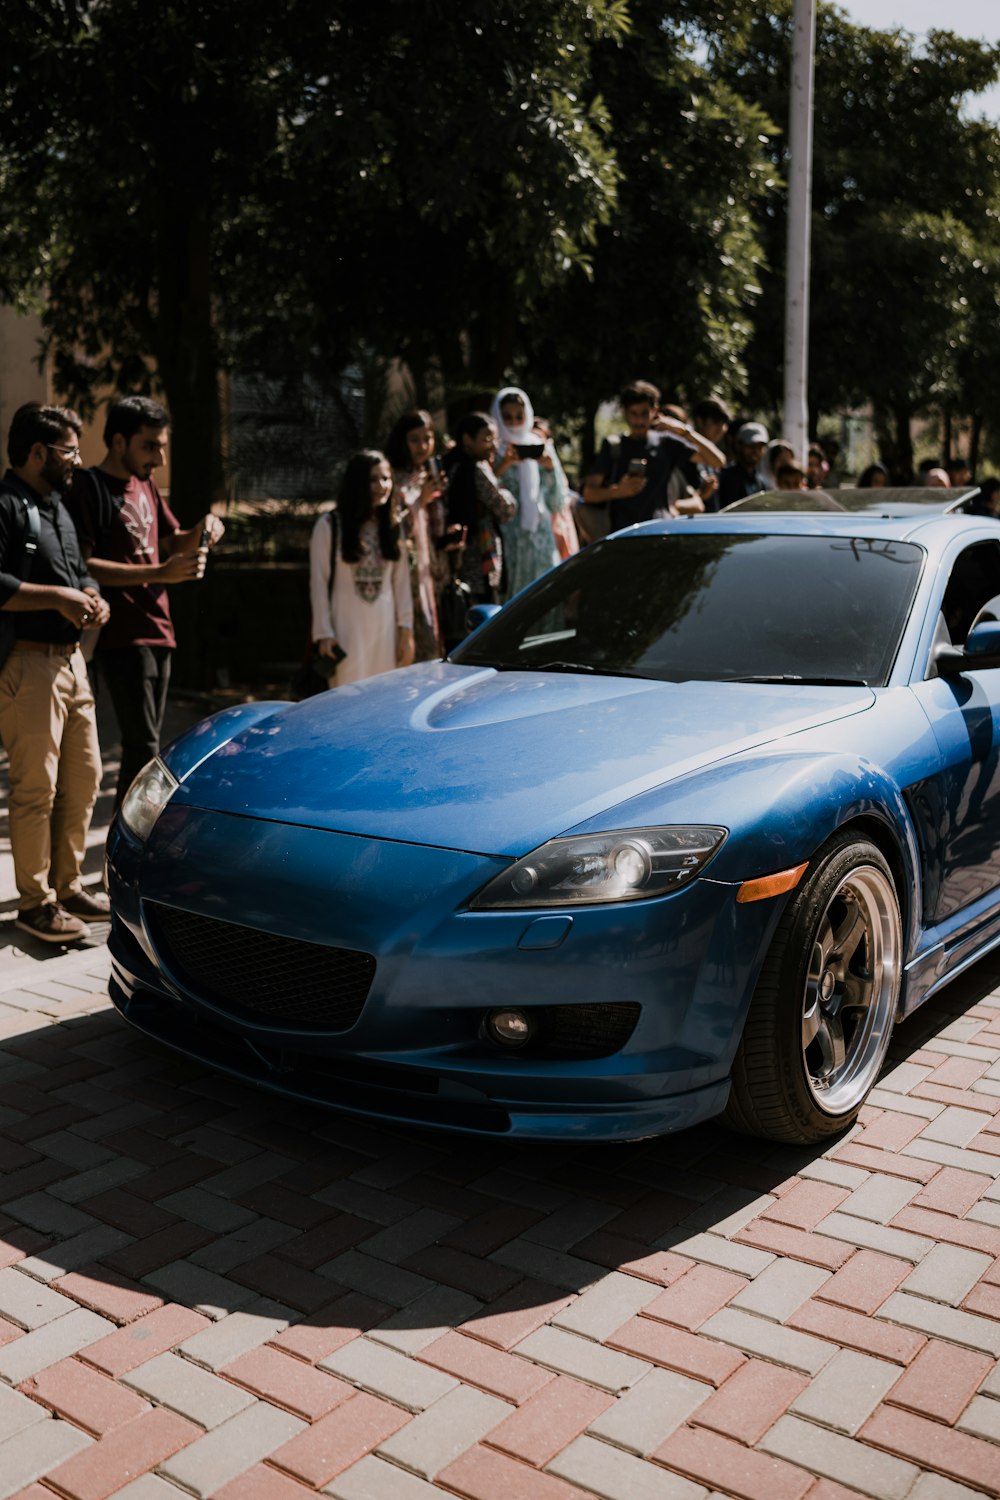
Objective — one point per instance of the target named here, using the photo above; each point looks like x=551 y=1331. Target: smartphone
x=434 y=466
x=529 y=450
x=330 y=660
x=637 y=467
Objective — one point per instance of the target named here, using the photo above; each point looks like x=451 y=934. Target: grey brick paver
x=868 y=1235
x=149 y=1487
x=982 y=1418
x=443 y=1431
x=616 y=1475
x=385 y=1372
x=209 y=1209
x=936 y=1487
x=951 y=1156
x=841 y=1459
x=407 y=1236
x=846 y=1391
x=431 y=1316
x=607 y=1306
x=904 y=1077
x=263 y=1166
x=109 y=1174
x=205 y=1465
x=716 y=1251
x=70 y=1254
x=237 y=1334
x=17 y=1412
x=65 y=1146
x=553 y=1266
x=947 y=1274
x=42 y=1211
x=780 y=1289
x=784 y=1346
x=880 y=1198
x=567 y=1226
x=725 y=1212
x=376 y=1278
x=232 y=1250
x=35 y=1450
x=54 y=1341
x=27 y=1302
x=954 y=1126
x=187 y=1389
x=202 y=1290
x=938 y=1321
x=645 y=1416
x=572 y=1355
x=836 y=1172
x=374 y=1479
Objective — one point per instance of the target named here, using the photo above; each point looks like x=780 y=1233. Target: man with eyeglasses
x=47 y=719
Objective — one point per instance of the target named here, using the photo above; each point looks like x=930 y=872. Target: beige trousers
x=49 y=729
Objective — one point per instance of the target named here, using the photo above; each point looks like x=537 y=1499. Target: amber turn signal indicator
x=771 y=885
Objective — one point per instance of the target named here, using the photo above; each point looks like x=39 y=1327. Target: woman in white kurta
x=359 y=580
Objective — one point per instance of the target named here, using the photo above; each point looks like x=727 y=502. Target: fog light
x=509 y=1028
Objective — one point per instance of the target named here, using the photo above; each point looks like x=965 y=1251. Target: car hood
x=492 y=762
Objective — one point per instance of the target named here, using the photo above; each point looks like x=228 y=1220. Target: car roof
x=931 y=529
x=902 y=500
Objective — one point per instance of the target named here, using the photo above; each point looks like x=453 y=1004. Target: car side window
x=974 y=581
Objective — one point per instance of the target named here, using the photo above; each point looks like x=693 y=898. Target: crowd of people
x=415 y=538
x=479 y=523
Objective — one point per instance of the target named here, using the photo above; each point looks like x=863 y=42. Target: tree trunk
x=946 y=434
x=975 y=438
x=187 y=359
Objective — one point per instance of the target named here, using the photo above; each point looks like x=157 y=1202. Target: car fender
x=779 y=809
x=203 y=739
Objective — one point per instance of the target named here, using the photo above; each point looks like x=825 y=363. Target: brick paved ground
x=204 y=1291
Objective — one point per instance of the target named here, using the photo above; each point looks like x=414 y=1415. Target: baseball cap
x=752 y=432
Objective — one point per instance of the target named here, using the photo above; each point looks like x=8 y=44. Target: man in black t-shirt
x=632 y=474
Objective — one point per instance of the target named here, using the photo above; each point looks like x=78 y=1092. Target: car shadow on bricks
x=136 y=1181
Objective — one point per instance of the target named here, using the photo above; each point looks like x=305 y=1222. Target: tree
x=904 y=203
x=185 y=191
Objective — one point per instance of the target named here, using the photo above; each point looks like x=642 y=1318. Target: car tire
x=821 y=1017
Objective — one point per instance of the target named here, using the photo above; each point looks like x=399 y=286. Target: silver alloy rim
x=851 y=989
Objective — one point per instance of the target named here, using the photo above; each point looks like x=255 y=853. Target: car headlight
x=626 y=865
x=146 y=798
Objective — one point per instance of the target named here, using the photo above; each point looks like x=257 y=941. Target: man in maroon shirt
x=135 y=548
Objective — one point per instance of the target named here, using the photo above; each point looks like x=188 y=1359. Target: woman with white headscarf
x=530 y=469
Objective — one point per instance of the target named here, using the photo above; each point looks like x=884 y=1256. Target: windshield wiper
x=800 y=680
x=562 y=666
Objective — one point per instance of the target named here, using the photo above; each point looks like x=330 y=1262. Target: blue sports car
x=680 y=831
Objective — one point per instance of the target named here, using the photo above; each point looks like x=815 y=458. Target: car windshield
x=710 y=607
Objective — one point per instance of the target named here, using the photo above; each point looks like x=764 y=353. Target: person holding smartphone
x=420 y=506
x=633 y=472
x=529 y=467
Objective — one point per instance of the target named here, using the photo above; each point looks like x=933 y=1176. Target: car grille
x=585 y=1030
x=260 y=975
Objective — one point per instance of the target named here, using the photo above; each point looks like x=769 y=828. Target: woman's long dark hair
x=397 y=450
x=354 y=508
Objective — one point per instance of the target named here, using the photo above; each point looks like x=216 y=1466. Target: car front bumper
x=417 y=1052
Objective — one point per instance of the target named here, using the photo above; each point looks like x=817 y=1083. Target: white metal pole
x=800 y=132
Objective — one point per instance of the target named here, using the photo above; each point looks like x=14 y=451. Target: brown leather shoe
x=92 y=906
x=51 y=923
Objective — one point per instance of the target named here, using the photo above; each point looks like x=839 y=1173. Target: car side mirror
x=479 y=614
x=981 y=650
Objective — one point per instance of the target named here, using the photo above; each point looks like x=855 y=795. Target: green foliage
x=571 y=194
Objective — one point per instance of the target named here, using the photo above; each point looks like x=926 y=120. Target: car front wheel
x=821 y=1017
